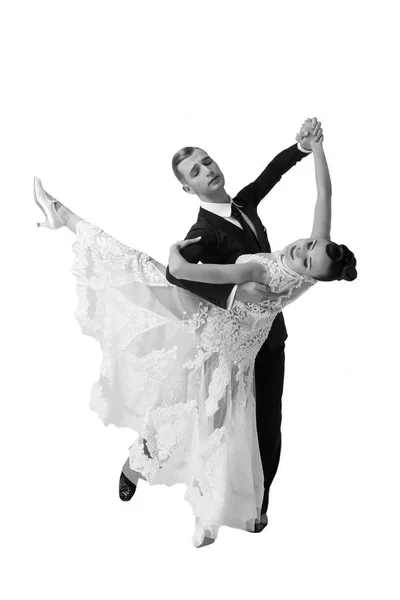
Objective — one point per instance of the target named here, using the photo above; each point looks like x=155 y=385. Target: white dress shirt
x=224 y=210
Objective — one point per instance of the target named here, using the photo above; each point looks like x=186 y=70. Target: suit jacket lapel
x=231 y=229
x=251 y=212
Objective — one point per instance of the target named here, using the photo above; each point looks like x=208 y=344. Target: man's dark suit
x=223 y=242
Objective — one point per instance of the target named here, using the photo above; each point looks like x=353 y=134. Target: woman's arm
x=323 y=209
x=214 y=273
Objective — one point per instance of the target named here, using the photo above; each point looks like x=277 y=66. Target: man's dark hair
x=179 y=157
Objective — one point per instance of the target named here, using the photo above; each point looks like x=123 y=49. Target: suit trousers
x=269 y=374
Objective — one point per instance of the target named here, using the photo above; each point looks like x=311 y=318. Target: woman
x=179 y=370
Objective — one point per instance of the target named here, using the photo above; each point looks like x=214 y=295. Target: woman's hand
x=310 y=134
x=176 y=259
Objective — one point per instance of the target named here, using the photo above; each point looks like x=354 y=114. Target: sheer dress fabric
x=179 y=371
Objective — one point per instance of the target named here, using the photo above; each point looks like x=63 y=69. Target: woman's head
x=321 y=259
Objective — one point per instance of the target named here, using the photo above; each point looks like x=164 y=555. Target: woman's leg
x=70 y=219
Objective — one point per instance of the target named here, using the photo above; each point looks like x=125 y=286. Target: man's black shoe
x=258 y=527
x=126 y=488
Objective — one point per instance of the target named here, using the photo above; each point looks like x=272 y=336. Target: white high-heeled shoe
x=46 y=203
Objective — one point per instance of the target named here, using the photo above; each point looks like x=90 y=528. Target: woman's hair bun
x=343 y=265
x=349 y=262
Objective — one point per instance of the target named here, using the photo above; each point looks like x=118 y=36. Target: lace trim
x=282 y=279
x=190 y=399
x=109 y=251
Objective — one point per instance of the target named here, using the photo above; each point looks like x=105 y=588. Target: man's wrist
x=302 y=149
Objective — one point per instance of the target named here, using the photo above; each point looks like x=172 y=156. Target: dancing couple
x=193 y=354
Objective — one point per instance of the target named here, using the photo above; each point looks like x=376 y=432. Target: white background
x=97 y=97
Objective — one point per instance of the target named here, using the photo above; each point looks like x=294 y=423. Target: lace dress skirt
x=179 y=372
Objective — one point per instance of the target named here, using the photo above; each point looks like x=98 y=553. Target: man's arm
x=197 y=252
x=310 y=131
x=281 y=164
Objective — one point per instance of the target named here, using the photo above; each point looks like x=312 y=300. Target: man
x=228 y=228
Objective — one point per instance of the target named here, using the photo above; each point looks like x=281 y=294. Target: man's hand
x=310 y=132
x=252 y=292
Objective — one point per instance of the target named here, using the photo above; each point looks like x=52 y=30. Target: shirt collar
x=222 y=209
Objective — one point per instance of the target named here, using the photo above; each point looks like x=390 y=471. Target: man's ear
x=188 y=189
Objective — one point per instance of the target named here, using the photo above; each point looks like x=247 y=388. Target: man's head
x=198 y=172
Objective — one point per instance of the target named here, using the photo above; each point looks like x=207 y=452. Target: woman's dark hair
x=343 y=263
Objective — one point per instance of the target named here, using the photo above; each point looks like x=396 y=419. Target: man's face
x=202 y=174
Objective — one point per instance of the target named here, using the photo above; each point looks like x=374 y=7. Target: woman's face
x=308 y=257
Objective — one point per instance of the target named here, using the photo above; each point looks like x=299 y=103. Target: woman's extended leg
x=70 y=219
x=55 y=212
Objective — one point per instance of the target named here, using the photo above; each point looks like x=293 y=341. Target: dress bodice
x=239 y=333
x=284 y=281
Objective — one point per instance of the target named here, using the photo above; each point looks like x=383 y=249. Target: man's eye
x=309 y=245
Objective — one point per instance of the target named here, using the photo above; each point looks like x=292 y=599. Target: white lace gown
x=179 y=371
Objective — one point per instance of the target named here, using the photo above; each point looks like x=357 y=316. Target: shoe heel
x=46 y=204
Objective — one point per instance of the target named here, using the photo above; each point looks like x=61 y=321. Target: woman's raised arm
x=323 y=209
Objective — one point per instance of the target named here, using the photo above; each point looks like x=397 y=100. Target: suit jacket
x=223 y=242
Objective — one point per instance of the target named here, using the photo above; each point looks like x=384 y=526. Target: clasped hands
x=310 y=134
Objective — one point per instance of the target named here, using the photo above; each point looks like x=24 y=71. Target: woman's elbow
x=258 y=274
x=175 y=272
